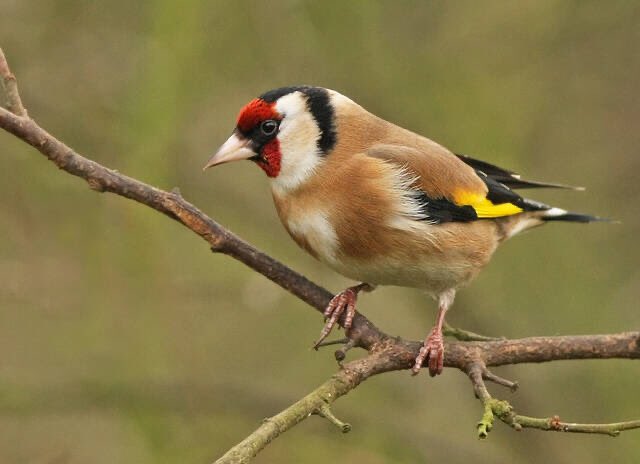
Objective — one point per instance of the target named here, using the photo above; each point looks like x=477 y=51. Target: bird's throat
x=270 y=158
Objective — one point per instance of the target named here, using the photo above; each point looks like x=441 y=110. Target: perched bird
x=380 y=204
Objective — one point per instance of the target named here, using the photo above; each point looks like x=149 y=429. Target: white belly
x=427 y=273
x=314 y=228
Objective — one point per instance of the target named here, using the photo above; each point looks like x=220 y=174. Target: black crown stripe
x=319 y=105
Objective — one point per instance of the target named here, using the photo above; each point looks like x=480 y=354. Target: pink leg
x=343 y=301
x=433 y=346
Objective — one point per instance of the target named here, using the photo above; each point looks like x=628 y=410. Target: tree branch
x=9 y=85
x=385 y=353
x=317 y=402
x=504 y=411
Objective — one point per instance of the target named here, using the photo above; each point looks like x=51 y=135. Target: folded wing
x=457 y=188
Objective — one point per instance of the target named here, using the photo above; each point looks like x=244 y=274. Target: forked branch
x=385 y=353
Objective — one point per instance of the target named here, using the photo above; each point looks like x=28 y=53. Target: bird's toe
x=436 y=355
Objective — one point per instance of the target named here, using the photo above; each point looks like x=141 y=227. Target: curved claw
x=343 y=302
x=433 y=348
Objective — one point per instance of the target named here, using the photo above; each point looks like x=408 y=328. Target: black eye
x=269 y=127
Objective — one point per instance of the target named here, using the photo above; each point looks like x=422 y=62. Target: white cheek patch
x=317 y=232
x=298 y=137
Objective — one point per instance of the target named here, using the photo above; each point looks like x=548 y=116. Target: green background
x=123 y=339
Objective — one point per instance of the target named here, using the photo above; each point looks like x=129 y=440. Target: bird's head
x=286 y=131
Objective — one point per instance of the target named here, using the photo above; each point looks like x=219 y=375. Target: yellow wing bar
x=484 y=207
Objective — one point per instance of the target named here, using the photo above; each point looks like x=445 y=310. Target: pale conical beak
x=233 y=149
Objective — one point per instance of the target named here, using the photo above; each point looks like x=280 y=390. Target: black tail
x=550 y=213
x=500 y=183
x=509 y=178
x=557 y=214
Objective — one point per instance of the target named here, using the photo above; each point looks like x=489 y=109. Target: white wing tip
x=554 y=212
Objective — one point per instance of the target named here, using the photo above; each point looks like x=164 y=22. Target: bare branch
x=10 y=87
x=504 y=411
x=488 y=375
x=317 y=402
x=386 y=353
x=555 y=424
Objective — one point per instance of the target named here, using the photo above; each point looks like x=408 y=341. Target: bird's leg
x=343 y=301
x=433 y=346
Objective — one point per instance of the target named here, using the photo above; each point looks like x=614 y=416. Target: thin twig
x=326 y=412
x=501 y=409
x=488 y=375
x=340 y=341
x=316 y=402
x=555 y=424
x=10 y=86
x=466 y=335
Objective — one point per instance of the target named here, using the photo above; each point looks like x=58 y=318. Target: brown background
x=122 y=339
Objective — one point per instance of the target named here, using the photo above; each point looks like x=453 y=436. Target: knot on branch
x=96 y=185
x=218 y=245
x=554 y=423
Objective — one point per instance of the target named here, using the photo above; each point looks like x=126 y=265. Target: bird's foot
x=433 y=348
x=343 y=302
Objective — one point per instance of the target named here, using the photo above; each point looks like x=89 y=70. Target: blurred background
x=123 y=339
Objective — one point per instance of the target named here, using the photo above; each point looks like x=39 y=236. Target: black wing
x=509 y=178
x=439 y=210
x=500 y=183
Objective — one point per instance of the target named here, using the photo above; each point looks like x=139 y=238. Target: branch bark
x=385 y=353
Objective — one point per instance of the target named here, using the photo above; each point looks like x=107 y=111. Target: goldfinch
x=380 y=204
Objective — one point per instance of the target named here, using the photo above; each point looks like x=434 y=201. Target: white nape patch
x=298 y=139
x=316 y=230
x=338 y=100
x=553 y=212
